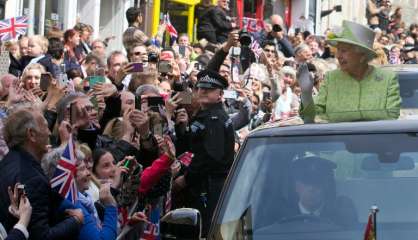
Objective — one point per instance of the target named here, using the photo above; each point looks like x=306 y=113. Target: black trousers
x=206 y=201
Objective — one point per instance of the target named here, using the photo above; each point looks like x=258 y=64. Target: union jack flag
x=255 y=47
x=169 y=27
x=13 y=27
x=64 y=177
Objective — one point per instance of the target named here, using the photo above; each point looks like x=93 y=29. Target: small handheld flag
x=64 y=177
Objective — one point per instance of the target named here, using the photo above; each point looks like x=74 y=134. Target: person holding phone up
x=21 y=209
x=277 y=33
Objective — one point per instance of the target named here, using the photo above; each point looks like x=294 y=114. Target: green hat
x=355 y=34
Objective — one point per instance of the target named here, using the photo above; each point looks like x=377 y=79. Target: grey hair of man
x=65 y=102
x=301 y=47
x=50 y=160
x=146 y=88
x=114 y=54
x=17 y=124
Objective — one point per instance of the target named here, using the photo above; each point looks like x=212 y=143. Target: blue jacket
x=90 y=229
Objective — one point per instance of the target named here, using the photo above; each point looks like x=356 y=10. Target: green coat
x=342 y=98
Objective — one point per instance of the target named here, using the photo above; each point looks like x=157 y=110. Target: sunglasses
x=163 y=75
x=138 y=53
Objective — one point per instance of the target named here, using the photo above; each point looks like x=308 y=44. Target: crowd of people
x=157 y=128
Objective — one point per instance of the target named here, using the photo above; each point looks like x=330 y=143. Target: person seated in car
x=314 y=194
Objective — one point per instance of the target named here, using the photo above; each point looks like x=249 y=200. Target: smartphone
x=155 y=101
x=186 y=97
x=182 y=51
x=45 y=81
x=165 y=67
x=20 y=191
x=266 y=96
x=62 y=79
x=235 y=73
x=198 y=66
x=93 y=100
x=157 y=129
x=153 y=104
x=230 y=94
x=73 y=113
x=136 y=67
x=137 y=103
x=93 y=80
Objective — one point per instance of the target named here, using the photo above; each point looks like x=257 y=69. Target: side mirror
x=182 y=223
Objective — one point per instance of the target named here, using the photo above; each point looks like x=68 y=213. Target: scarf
x=87 y=202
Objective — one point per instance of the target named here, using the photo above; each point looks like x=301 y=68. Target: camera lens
x=277 y=28
x=245 y=38
x=152 y=57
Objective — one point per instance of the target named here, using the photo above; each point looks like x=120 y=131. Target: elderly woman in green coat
x=357 y=91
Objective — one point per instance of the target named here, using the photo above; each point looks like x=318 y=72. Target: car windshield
x=322 y=187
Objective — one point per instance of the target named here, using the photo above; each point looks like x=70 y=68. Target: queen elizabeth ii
x=357 y=90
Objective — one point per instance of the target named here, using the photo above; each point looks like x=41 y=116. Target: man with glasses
x=138 y=53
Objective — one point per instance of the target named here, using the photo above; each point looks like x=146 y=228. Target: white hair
x=50 y=160
x=257 y=71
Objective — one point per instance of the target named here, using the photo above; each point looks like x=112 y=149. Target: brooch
x=379 y=78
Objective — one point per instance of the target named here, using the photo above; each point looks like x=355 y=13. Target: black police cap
x=314 y=170
x=211 y=79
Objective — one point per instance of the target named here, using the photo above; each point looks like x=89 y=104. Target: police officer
x=212 y=143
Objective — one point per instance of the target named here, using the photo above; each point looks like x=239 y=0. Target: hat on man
x=313 y=170
x=211 y=79
x=354 y=34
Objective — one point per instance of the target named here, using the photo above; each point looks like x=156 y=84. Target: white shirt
x=305 y=211
x=35 y=60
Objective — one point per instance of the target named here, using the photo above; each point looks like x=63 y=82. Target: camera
x=277 y=28
x=182 y=84
x=245 y=38
x=153 y=57
x=198 y=66
x=165 y=67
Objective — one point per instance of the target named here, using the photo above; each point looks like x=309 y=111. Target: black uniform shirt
x=212 y=143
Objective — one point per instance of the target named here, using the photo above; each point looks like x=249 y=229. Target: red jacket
x=152 y=174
